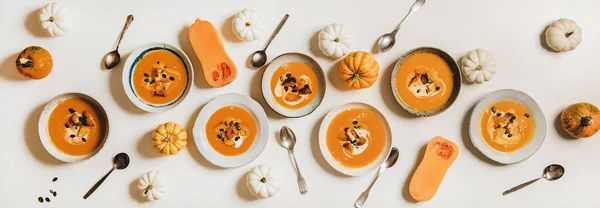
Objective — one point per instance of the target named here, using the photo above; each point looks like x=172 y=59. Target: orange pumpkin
x=581 y=120
x=359 y=70
x=34 y=62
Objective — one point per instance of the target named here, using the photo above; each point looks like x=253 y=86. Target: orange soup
x=424 y=81
x=231 y=131
x=294 y=85
x=506 y=126
x=76 y=128
x=159 y=77
x=356 y=137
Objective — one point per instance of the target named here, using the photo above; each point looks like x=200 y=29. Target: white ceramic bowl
x=130 y=64
x=323 y=140
x=520 y=154
x=266 y=84
x=43 y=127
x=244 y=102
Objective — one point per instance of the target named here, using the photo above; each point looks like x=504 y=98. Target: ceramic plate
x=526 y=151
x=323 y=140
x=244 y=102
x=132 y=61
x=457 y=78
x=270 y=98
x=43 y=127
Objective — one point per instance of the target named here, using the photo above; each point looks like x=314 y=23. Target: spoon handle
x=301 y=182
x=413 y=9
x=516 y=188
x=97 y=184
x=363 y=197
x=127 y=22
x=281 y=23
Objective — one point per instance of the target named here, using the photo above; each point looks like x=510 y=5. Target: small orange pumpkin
x=581 y=120
x=359 y=70
x=34 y=62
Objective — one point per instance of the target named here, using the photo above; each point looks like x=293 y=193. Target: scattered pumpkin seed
x=418 y=90
x=72 y=136
x=172 y=78
x=146 y=80
x=40 y=199
x=288 y=75
x=219 y=136
x=509 y=135
x=66 y=125
x=47 y=199
x=54 y=179
x=158 y=62
x=437 y=88
x=221 y=130
x=346 y=129
x=237 y=138
x=164 y=75
x=499 y=114
x=493 y=109
x=527 y=115
x=354 y=122
x=83 y=139
x=71 y=110
x=146 y=75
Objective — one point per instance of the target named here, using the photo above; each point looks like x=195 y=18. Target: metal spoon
x=552 y=172
x=259 y=58
x=112 y=58
x=120 y=162
x=387 y=41
x=288 y=140
x=389 y=162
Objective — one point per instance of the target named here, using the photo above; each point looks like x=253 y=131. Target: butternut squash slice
x=218 y=68
x=439 y=156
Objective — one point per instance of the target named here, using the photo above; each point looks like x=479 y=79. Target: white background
x=510 y=29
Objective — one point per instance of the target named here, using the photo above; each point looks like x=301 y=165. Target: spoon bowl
x=111 y=59
x=258 y=58
x=553 y=172
x=121 y=161
x=386 y=42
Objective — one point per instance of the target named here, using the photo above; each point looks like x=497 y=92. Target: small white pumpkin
x=152 y=185
x=56 y=19
x=563 y=35
x=478 y=66
x=247 y=25
x=262 y=181
x=334 y=40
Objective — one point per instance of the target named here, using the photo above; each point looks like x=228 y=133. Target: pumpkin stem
x=168 y=138
x=479 y=68
x=51 y=19
x=248 y=24
x=337 y=40
x=569 y=34
x=150 y=187
x=263 y=180
x=587 y=121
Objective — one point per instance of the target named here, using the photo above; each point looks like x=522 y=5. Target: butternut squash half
x=439 y=156
x=218 y=68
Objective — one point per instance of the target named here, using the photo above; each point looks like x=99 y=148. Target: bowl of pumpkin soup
x=426 y=81
x=231 y=130
x=73 y=127
x=355 y=138
x=507 y=126
x=157 y=76
x=293 y=85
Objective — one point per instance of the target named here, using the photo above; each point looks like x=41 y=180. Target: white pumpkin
x=478 y=66
x=56 y=19
x=262 y=181
x=563 y=35
x=247 y=25
x=334 y=40
x=152 y=185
